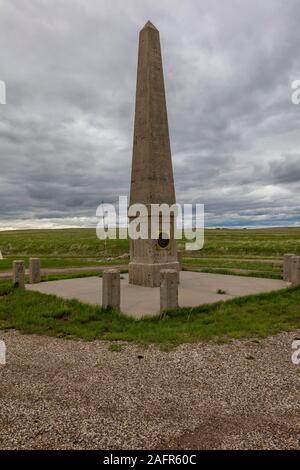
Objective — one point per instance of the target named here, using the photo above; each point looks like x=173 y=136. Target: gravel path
x=59 y=394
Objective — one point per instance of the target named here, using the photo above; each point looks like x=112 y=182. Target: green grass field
x=83 y=243
x=253 y=252
x=243 y=252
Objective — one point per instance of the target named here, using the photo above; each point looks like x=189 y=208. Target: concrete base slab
x=138 y=301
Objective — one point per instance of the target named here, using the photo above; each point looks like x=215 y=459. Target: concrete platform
x=137 y=301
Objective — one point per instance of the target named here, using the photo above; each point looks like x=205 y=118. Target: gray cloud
x=66 y=131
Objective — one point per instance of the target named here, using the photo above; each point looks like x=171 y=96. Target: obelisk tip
x=149 y=25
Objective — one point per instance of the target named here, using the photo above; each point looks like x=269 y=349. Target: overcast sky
x=66 y=130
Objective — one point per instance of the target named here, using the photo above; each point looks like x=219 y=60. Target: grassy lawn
x=260 y=315
x=233 y=272
x=83 y=243
x=67 y=243
x=58 y=277
x=48 y=262
x=242 y=267
x=225 y=251
x=263 y=243
x=233 y=263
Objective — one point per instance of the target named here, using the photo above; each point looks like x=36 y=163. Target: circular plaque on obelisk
x=163 y=240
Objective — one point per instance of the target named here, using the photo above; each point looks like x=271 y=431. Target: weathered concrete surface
x=18 y=275
x=168 y=289
x=34 y=270
x=111 y=289
x=287 y=266
x=295 y=270
x=152 y=174
x=138 y=301
x=152 y=179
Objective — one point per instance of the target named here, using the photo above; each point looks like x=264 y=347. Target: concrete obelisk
x=152 y=173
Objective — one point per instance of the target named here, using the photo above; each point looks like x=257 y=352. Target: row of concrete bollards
x=111 y=289
x=19 y=272
x=291 y=269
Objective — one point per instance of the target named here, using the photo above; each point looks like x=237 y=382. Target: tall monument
x=152 y=173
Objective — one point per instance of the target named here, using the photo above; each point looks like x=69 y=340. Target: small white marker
x=296 y=354
x=2 y=352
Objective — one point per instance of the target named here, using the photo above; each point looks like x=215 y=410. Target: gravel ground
x=59 y=394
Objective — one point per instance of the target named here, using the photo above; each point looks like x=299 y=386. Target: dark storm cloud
x=66 y=131
x=286 y=170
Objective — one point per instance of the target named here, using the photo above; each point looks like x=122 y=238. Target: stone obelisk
x=152 y=173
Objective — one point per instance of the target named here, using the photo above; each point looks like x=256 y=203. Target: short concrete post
x=111 y=287
x=179 y=258
x=19 y=274
x=168 y=289
x=287 y=266
x=295 y=270
x=34 y=270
